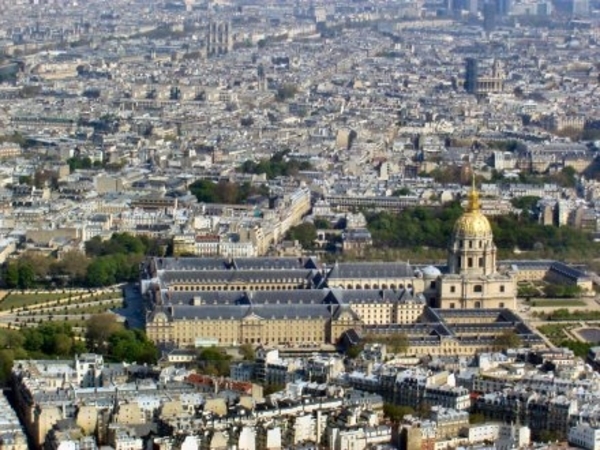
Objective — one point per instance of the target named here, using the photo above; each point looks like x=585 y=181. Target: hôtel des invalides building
x=459 y=308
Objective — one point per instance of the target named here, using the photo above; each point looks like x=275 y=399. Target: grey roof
x=239 y=312
x=207 y=297
x=375 y=295
x=233 y=276
x=220 y=263
x=179 y=264
x=296 y=296
x=274 y=263
x=391 y=270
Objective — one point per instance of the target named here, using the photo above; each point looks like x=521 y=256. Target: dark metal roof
x=379 y=270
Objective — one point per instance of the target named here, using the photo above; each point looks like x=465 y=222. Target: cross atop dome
x=474 y=202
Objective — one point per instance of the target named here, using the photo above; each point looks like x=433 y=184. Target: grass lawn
x=562 y=303
x=88 y=309
x=555 y=332
x=16 y=300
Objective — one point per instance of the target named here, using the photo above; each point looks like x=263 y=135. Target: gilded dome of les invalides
x=473 y=224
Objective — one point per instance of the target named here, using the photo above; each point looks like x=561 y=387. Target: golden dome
x=473 y=224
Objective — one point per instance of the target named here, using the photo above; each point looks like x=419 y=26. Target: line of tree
x=414 y=227
x=278 y=165
x=567 y=177
x=395 y=343
x=105 y=262
x=432 y=227
x=226 y=192
x=79 y=162
x=305 y=234
x=51 y=340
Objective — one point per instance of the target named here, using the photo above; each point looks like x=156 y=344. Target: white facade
x=304 y=429
x=585 y=436
x=510 y=437
x=485 y=432
x=247 y=439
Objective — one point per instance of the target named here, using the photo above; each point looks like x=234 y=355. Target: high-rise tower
x=471 y=75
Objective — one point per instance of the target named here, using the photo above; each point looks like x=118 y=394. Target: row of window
x=478 y=288
x=234 y=288
x=375 y=286
x=470 y=244
x=470 y=262
x=477 y=305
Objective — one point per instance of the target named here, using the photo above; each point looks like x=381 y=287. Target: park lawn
x=563 y=303
x=555 y=332
x=16 y=300
x=88 y=309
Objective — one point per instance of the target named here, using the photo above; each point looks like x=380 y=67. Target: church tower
x=471 y=279
x=472 y=250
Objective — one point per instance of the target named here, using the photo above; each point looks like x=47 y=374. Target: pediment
x=252 y=317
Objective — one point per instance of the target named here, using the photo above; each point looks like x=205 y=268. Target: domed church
x=472 y=280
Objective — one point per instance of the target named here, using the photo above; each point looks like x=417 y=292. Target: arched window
x=477 y=305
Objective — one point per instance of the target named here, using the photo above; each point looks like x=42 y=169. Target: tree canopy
x=226 y=192
x=507 y=339
x=105 y=262
x=305 y=234
x=395 y=343
x=214 y=361
x=432 y=227
x=276 y=166
x=50 y=340
x=414 y=227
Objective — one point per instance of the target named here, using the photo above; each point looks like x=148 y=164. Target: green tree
x=322 y=223
x=305 y=234
x=99 y=328
x=403 y=191
x=286 y=91
x=247 y=351
x=11 y=275
x=101 y=272
x=476 y=418
x=214 y=361
x=354 y=351
x=62 y=344
x=396 y=412
x=26 y=275
x=507 y=339
x=131 y=346
x=272 y=388
x=526 y=203
x=73 y=264
x=38 y=262
x=11 y=339
x=398 y=343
